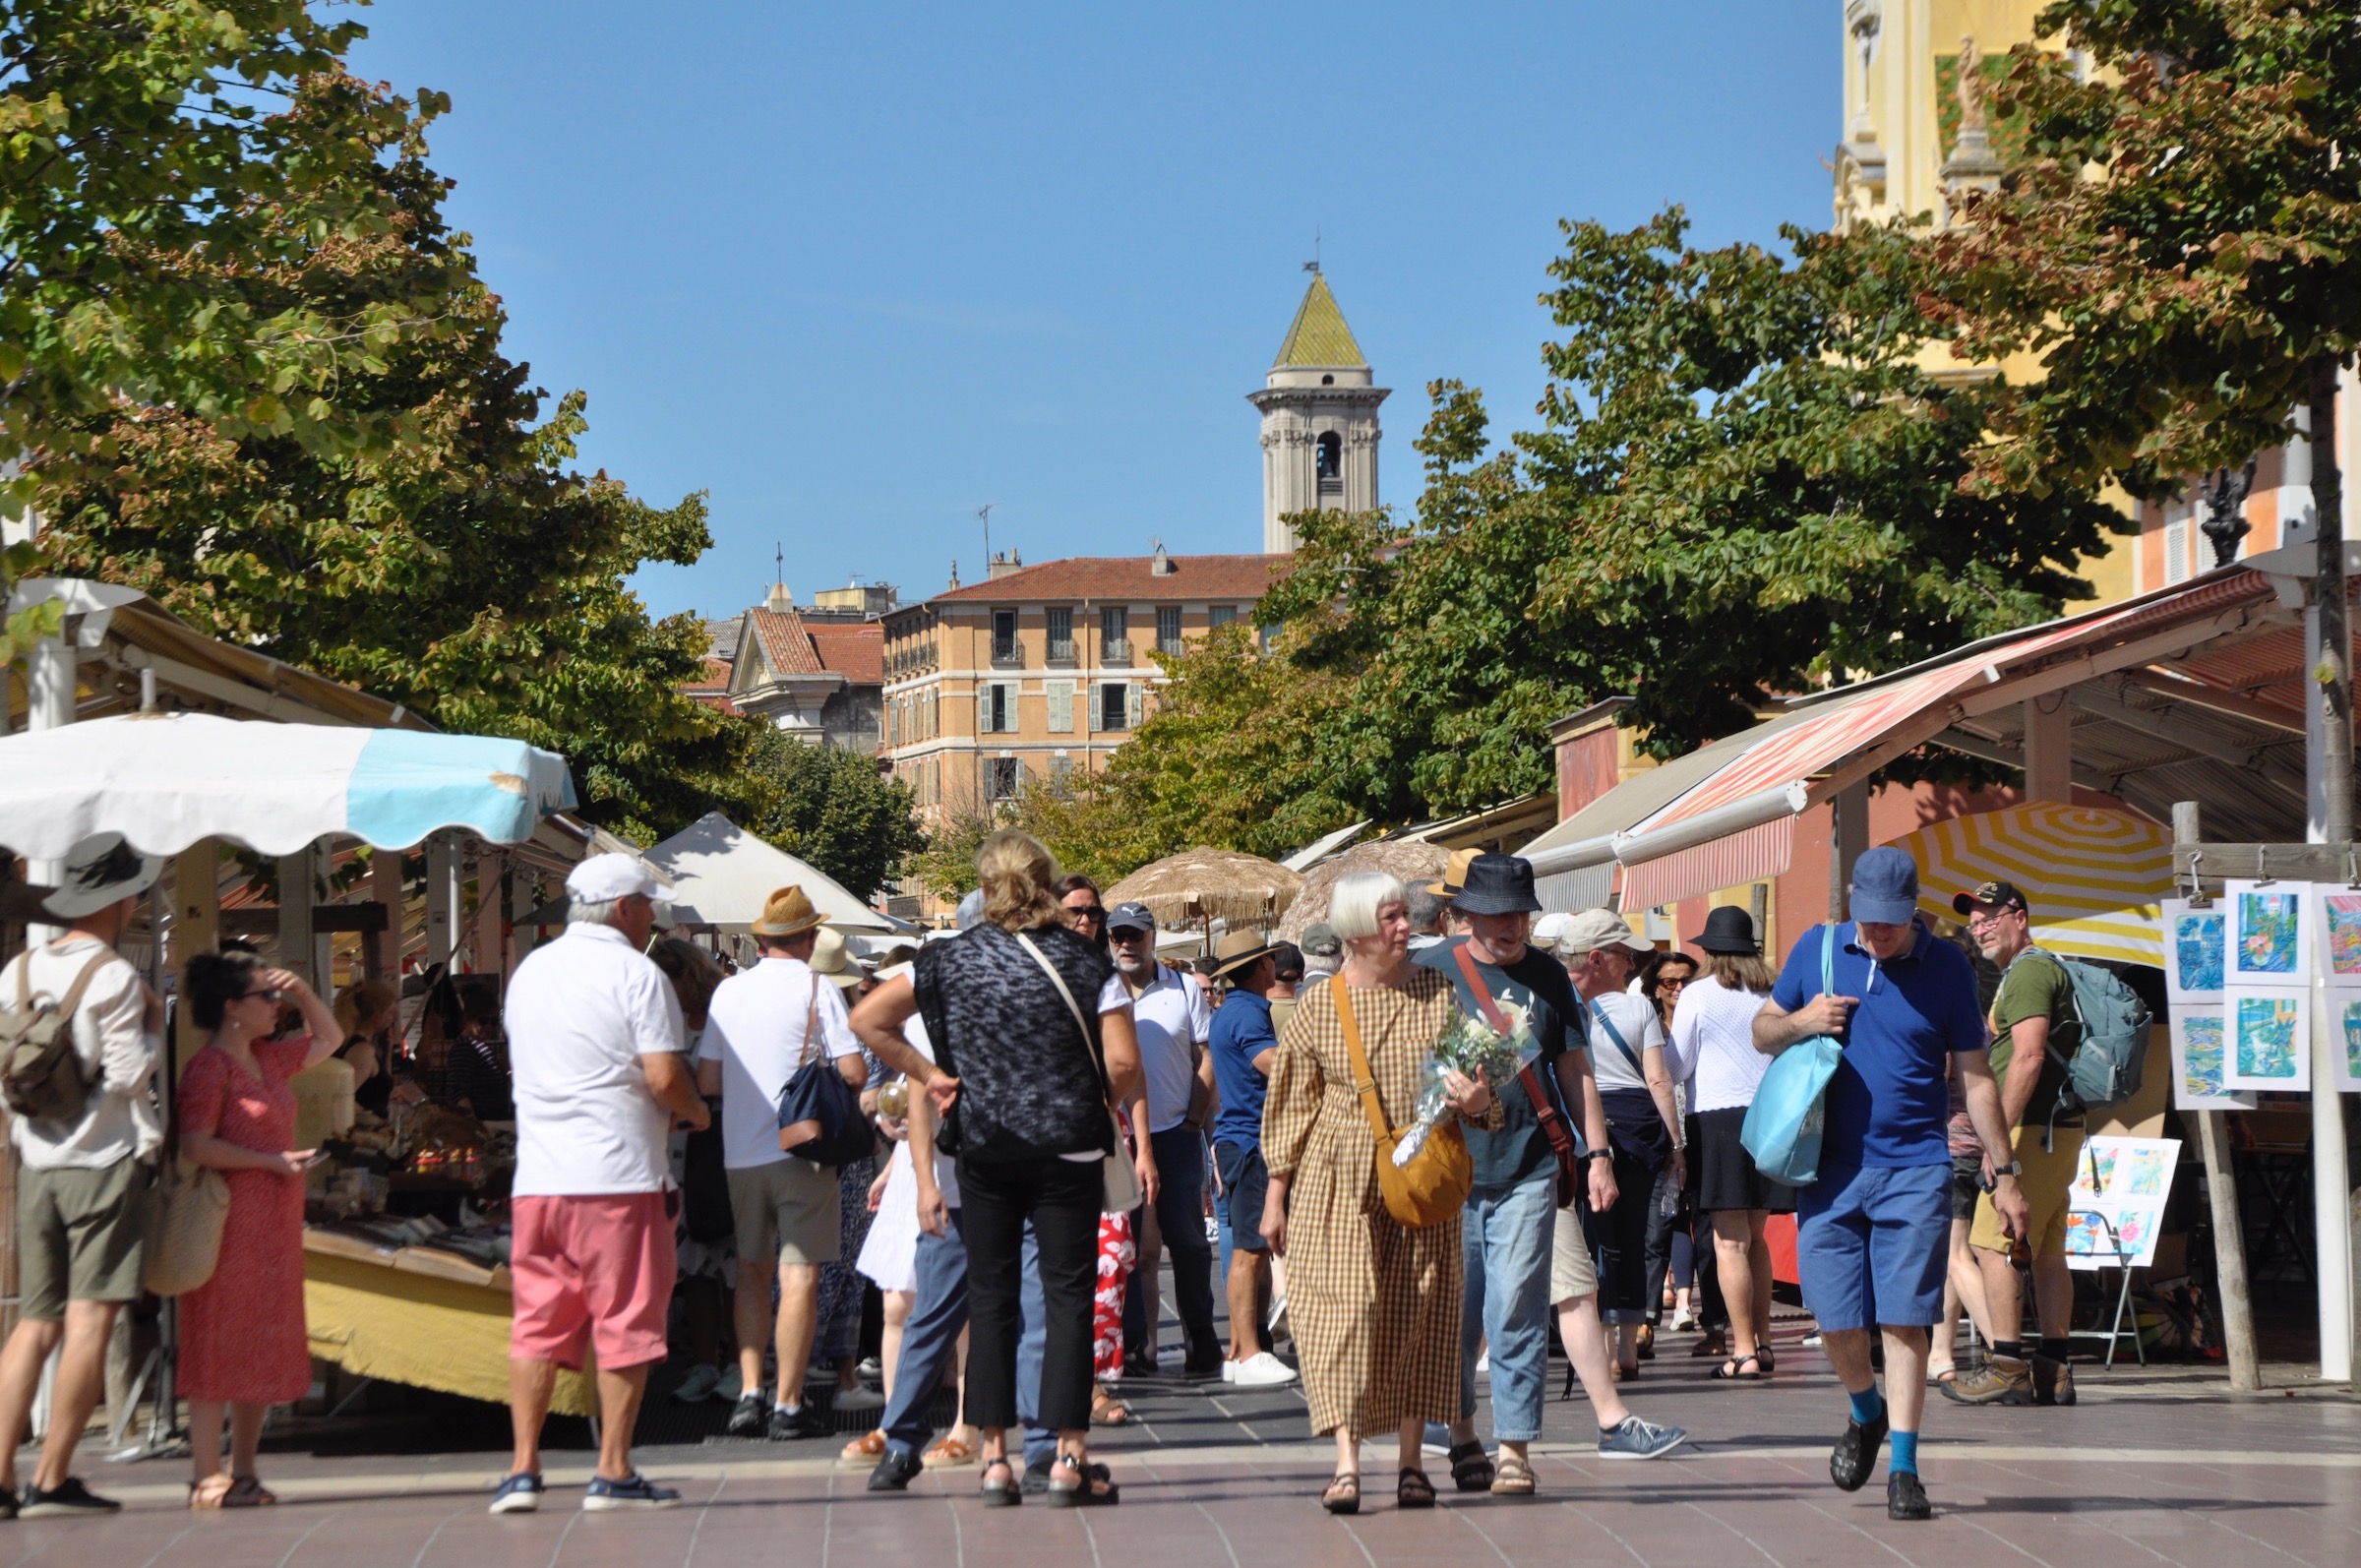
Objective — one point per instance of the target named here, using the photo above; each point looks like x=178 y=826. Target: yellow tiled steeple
x=1319 y=336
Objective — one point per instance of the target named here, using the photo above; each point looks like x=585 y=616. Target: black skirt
x=1722 y=1173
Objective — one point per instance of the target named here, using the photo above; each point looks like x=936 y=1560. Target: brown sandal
x=248 y=1491
x=210 y=1492
x=1342 y=1496
x=1106 y=1409
x=1511 y=1476
x=1412 y=1488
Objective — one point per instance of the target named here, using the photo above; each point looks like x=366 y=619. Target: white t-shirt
x=118 y=1056
x=754 y=1028
x=1712 y=1035
x=1172 y=1017
x=581 y=1012
x=1634 y=1017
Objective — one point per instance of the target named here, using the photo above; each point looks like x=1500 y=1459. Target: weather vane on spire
x=1314 y=266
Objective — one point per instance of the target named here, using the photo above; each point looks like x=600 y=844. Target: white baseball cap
x=603 y=878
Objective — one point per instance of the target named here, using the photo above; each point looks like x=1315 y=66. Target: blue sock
x=1902 y=1455
x=1868 y=1404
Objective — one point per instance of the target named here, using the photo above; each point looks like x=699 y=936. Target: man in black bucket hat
x=1510 y=1223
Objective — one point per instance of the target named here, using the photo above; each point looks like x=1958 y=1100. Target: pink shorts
x=590 y=1270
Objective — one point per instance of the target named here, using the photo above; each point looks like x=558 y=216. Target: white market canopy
x=721 y=876
x=166 y=780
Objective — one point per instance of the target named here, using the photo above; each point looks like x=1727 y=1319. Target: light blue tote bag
x=1789 y=1111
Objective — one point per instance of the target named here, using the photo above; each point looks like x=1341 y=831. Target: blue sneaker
x=609 y=1496
x=518 y=1494
x=1639 y=1439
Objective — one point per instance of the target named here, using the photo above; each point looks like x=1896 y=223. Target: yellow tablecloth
x=380 y=1321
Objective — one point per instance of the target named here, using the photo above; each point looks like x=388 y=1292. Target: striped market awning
x=2094 y=878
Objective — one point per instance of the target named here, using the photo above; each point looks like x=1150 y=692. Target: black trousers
x=1062 y=1198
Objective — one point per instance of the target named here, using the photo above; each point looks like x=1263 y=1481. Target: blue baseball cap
x=1885 y=888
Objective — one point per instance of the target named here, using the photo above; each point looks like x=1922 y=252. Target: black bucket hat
x=1497 y=884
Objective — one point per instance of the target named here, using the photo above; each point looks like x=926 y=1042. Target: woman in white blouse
x=1713 y=1029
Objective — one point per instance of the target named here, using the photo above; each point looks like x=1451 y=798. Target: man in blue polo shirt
x=1242 y=1046
x=1873 y=1233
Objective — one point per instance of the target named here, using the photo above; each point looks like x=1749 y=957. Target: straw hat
x=787 y=913
x=1238 y=950
x=830 y=961
x=1455 y=874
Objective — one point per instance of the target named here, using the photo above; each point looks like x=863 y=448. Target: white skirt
x=890 y=1257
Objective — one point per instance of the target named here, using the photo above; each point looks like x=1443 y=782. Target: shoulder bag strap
x=1363 y=1080
x=1090 y=1042
x=1554 y=1131
x=811 y=1023
x=1616 y=1035
x=1484 y=999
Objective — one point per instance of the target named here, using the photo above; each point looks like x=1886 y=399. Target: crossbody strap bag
x=1566 y=1148
x=1119 y=1176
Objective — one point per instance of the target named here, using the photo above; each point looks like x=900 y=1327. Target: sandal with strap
x=1343 y=1494
x=1108 y=1411
x=1091 y=1486
x=1513 y=1478
x=246 y=1491
x=1005 y=1493
x=1471 y=1467
x=951 y=1453
x=866 y=1449
x=1761 y=1354
x=210 y=1492
x=1412 y=1488
x=1735 y=1371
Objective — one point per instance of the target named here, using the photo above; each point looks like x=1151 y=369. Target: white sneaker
x=1229 y=1370
x=1261 y=1370
x=1484 y=1363
x=861 y=1398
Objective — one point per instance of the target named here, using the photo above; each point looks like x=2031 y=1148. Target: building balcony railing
x=1007 y=655
x=1115 y=655
x=1063 y=653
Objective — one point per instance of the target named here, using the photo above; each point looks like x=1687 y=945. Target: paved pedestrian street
x=2159 y=1467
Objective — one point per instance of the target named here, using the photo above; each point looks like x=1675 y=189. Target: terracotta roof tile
x=786 y=644
x=1128 y=579
x=856 y=651
x=712 y=688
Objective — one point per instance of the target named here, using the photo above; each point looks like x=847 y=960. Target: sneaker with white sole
x=862 y=1397
x=636 y=1491
x=518 y=1494
x=1639 y=1439
x=1261 y=1370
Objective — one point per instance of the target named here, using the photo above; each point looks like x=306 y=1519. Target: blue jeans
x=1505 y=1236
x=931 y=1342
x=1180 y=1221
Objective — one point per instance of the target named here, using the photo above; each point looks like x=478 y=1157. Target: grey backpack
x=40 y=1074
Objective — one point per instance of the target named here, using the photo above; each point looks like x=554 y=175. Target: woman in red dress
x=242 y=1338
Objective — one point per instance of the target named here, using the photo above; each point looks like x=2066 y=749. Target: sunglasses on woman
x=1089 y=911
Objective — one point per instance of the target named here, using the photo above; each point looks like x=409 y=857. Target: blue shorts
x=1246 y=1180
x=1872 y=1244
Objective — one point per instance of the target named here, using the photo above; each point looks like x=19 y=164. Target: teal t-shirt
x=1519 y=1151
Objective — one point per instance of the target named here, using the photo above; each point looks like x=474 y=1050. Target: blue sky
x=856 y=271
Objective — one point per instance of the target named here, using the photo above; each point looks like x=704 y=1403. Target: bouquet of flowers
x=1468 y=1046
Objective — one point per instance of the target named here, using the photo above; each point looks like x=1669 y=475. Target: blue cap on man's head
x=1885 y=888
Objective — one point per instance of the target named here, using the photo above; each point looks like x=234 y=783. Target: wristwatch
x=1598 y=1154
x=2015 y=1168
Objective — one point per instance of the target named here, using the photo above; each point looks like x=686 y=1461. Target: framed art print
x=2269 y=938
x=2268 y=1042
x=2196 y=941
x=2198 y=1038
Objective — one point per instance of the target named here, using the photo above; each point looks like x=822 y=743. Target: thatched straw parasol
x=1413 y=862
x=1209 y=884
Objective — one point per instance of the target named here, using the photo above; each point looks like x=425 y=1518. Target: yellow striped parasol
x=2095 y=877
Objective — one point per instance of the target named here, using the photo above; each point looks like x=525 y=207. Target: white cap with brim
x=102 y=871
x=603 y=878
x=1594 y=929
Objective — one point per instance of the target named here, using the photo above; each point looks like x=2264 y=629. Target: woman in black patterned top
x=1030 y=1129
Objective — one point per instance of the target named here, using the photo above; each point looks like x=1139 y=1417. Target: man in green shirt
x=2035 y=1032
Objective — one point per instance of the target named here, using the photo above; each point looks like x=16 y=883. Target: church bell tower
x=1319 y=421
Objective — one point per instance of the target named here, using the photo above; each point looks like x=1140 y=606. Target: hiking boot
x=2053 y=1383
x=1855 y=1453
x=2003 y=1380
x=1905 y=1498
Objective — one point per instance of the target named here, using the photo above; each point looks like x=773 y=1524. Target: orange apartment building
x=1039 y=673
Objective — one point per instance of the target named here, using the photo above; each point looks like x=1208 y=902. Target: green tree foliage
x=459 y=564
x=945 y=865
x=832 y=807
x=170 y=172
x=2180 y=243
x=1745 y=481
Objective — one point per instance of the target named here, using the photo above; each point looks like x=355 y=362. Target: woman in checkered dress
x=1376 y=1306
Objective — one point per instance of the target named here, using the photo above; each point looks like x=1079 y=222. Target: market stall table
x=419 y=1316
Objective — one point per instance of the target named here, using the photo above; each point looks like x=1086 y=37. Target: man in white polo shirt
x=759 y=1027
x=594 y=1040
x=1173 y=1021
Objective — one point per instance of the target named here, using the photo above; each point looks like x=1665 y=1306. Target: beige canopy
x=1209 y=884
x=1413 y=862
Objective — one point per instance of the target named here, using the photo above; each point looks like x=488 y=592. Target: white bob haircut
x=1353 y=903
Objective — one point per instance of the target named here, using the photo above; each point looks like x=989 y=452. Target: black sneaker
x=748 y=1416
x=1855 y=1453
x=896 y=1470
x=805 y=1421
x=1905 y=1498
x=70 y=1497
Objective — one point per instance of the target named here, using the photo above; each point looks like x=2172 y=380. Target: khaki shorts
x=82 y=1237
x=1571 y=1272
x=790 y=1210
x=2046 y=1178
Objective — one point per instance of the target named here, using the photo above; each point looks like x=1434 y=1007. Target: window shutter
x=1061 y=707
x=1132 y=703
x=984 y=709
